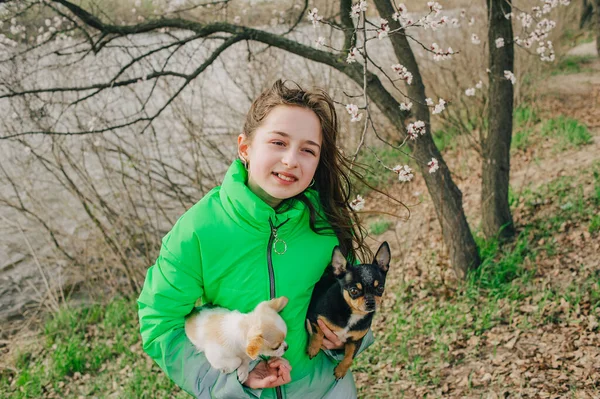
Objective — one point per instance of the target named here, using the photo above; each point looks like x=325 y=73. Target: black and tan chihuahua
x=345 y=299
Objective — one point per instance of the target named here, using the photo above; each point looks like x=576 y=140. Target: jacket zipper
x=272 y=292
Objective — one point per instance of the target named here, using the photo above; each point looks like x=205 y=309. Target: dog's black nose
x=370 y=303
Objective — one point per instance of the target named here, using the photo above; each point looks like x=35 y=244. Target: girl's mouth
x=288 y=179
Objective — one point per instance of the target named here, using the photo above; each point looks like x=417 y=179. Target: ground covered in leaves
x=527 y=323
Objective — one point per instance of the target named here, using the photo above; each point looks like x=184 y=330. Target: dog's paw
x=339 y=372
x=242 y=374
x=312 y=351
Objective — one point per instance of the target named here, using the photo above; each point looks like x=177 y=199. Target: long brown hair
x=332 y=177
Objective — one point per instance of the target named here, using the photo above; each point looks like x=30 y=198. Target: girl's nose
x=289 y=159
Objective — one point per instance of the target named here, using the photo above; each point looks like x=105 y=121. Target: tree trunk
x=587 y=11
x=446 y=196
x=496 y=217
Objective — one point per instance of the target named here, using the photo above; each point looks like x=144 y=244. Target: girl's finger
x=266 y=382
x=329 y=334
x=279 y=362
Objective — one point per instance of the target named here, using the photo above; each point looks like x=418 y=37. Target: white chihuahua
x=230 y=339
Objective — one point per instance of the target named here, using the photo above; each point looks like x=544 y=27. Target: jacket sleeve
x=338 y=354
x=170 y=291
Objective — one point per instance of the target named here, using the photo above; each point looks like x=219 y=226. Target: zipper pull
x=282 y=248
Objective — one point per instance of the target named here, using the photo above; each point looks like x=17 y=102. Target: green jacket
x=221 y=250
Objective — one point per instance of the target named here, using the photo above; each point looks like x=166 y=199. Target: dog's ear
x=255 y=343
x=338 y=262
x=382 y=257
x=278 y=303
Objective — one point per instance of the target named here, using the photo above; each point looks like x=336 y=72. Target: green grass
x=94 y=340
x=379 y=226
x=524 y=116
x=576 y=36
x=524 y=120
x=573 y=64
x=594 y=224
x=500 y=267
x=444 y=139
x=570 y=132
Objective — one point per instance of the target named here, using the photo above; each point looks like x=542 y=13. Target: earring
x=244 y=161
x=312 y=182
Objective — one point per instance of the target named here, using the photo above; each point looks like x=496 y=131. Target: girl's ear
x=243 y=146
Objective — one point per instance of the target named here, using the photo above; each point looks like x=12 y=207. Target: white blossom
x=406 y=106
x=479 y=85
x=434 y=7
x=475 y=39
x=384 y=29
x=352 y=55
x=414 y=129
x=439 y=107
x=403 y=72
x=546 y=51
x=404 y=172
x=237 y=19
x=400 y=13
x=510 y=76
x=314 y=17
x=499 y=42
x=358 y=203
x=470 y=92
x=525 y=19
x=359 y=7
x=433 y=165
x=353 y=111
x=439 y=54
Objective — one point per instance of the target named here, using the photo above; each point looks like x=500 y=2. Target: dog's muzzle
x=370 y=304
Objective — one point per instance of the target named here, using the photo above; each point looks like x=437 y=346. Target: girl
x=269 y=230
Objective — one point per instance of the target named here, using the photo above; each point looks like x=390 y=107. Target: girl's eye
x=310 y=152
x=279 y=143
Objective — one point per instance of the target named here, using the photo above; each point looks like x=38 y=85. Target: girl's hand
x=330 y=341
x=269 y=374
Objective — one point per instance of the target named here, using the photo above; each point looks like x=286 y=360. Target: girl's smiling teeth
x=284 y=177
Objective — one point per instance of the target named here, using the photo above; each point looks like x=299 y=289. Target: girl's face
x=283 y=153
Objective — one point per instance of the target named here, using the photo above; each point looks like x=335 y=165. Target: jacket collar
x=248 y=209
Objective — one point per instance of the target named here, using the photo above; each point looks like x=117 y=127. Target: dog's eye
x=354 y=291
x=380 y=290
